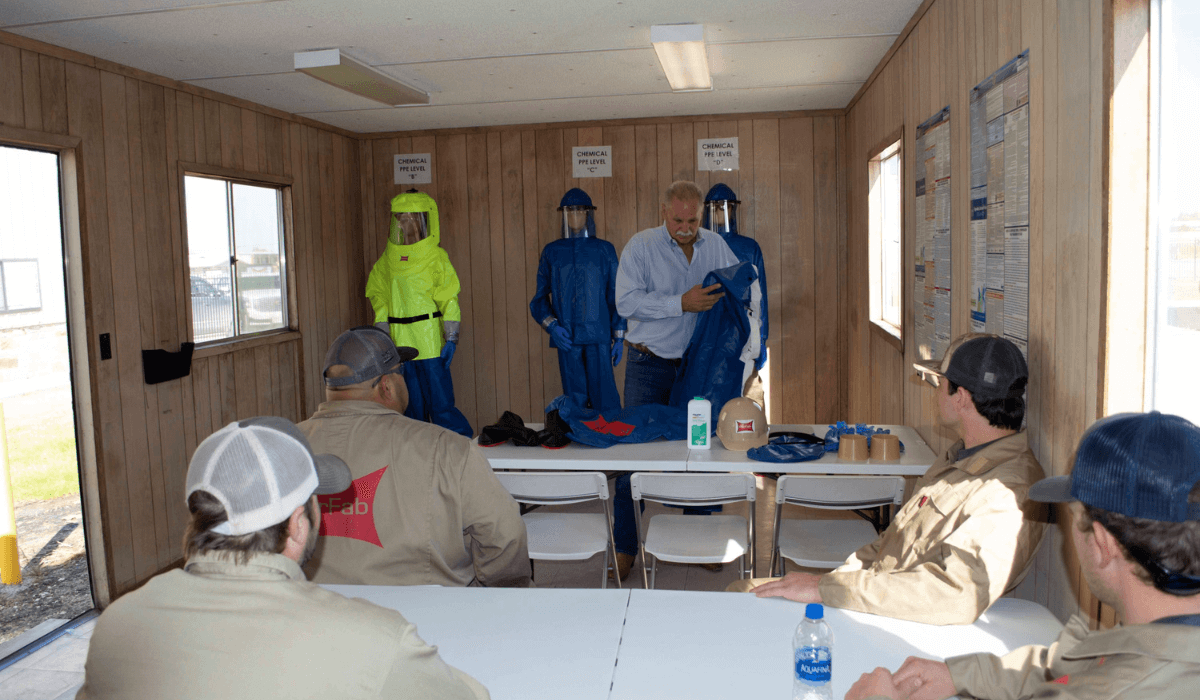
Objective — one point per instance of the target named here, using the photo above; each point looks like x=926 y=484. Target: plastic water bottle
x=699 y=427
x=812 y=648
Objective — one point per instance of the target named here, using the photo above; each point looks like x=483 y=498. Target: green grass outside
x=41 y=459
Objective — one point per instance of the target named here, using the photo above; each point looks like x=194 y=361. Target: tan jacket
x=425 y=506
x=218 y=629
x=967 y=535
x=1158 y=661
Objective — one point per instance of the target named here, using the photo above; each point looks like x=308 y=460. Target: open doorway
x=37 y=405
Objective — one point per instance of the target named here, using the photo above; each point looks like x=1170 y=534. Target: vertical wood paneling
x=954 y=46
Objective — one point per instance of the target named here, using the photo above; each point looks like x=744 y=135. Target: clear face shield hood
x=721 y=216
x=409 y=227
x=578 y=222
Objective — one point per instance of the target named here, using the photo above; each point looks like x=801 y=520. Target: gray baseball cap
x=369 y=353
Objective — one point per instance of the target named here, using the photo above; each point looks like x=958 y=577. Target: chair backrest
x=693 y=489
x=551 y=488
x=839 y=492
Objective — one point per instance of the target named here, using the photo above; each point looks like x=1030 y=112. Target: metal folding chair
x=565 y=536
x=694 y=539
x=825 y=544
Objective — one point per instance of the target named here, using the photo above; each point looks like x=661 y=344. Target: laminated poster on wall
x=717 y=153
x=591 y=161
x=999 y=234
x=413 y=168
x=931 y=252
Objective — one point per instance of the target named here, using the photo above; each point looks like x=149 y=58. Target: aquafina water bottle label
x=813 y=665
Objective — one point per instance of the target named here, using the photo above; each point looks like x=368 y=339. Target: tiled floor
x=51 y=673
x=55 y=672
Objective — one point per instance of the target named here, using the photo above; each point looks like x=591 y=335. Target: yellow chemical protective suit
x=414 y=280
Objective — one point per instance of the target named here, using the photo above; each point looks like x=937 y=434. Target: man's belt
x=414 y=319
x=643 y=349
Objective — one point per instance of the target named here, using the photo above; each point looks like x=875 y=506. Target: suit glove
x=617 y=351
x=560 y=337
x=448 y=352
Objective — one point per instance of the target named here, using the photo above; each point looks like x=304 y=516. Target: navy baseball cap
x=1140 y=465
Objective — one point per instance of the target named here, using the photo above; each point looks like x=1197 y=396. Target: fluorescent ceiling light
x=336 y=68
x=681 y=51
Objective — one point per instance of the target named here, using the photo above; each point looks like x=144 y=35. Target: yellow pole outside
x=10 y=564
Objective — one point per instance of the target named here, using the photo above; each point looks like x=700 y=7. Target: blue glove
x=560 y=337
x=762 y=360
x=617 y=351
x=448 y=352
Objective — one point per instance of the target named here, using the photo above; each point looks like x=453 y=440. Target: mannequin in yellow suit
x=414 y=291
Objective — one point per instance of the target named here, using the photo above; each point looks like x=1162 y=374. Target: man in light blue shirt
x=659 y=292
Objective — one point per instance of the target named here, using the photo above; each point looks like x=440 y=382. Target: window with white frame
x=20 y=286
x=236 y=257
x=885 y=190
x=1173 y=313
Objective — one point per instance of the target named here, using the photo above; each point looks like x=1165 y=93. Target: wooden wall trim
x=231 y=346
x=887 y=57
x=22 y=42
x=234 y=174
x=638 y=121
x=29 y=137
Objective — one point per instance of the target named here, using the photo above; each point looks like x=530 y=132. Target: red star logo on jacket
x=351 y=513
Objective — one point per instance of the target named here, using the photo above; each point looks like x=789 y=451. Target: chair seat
x=566 y=536
x=697 y=539
x=823 y=544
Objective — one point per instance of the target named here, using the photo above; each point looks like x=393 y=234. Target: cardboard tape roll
x=852 y=447
x=885 y=448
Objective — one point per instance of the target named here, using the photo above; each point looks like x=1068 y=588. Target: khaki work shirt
x=1158 y=660
x=218 y=629
x=425 y=507
x=967 y=535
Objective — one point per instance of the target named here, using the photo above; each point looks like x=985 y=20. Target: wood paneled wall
x=134 y=130
x=954 y=46
x=498 y=191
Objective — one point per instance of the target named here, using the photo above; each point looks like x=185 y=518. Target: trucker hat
x=262 y=469
x=369 y=353
x=1140 y=465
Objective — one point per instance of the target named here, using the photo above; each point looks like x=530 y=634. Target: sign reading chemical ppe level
x=717 y=154
x=591 y=161
x=414 y=169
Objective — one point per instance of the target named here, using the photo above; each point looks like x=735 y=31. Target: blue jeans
x=648 y=379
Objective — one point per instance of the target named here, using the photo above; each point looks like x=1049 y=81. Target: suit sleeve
x=445 y=295
x=379 y=290
x=616 y=322
x=764 y=329
x=540 y=307
x=492 y=521
x=957 y=578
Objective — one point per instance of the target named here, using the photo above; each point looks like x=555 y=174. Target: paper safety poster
x=931 y=259
x=1000 y=203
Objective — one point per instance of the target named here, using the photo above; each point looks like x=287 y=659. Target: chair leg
x=653 y=571
x=604 y=571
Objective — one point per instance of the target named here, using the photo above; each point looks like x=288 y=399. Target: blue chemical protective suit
x=575 y=302
x=746 y=249
x=724 y=346
x=413 y=290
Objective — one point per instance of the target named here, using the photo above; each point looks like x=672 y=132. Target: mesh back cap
x=369 y=353
x=990 y=368
x=260 y=470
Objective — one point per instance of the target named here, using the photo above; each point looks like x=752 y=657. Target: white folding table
x=719 y=645
x=916 y=459
x=656 y=456
x=520 y=643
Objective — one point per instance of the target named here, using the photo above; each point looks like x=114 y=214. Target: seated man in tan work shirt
x=1134 y=499
x=969 y=532
x=239 y=621
x=425 y=507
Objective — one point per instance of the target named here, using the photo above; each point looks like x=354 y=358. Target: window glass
x=237 y=269
x=1176 y=298
x=886 y=236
